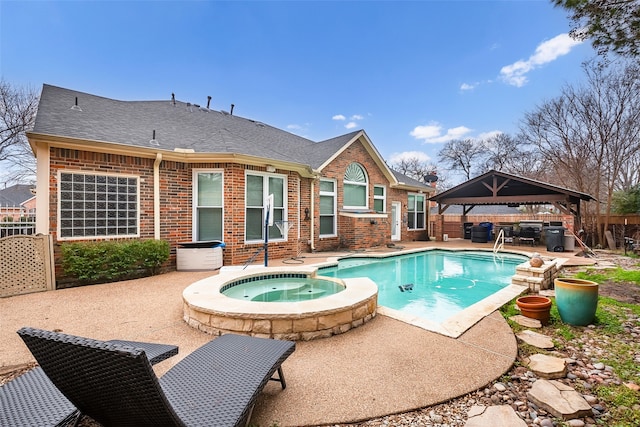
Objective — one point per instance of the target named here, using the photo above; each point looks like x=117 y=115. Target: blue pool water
x=434 y=284
x=282 y=289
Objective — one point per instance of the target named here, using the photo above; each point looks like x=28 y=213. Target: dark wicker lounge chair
x=32 y=399
x=216 y=385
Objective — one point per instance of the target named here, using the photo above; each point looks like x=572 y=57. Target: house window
x=355 y=187
x=97 y=205
x=416 y=212
x=258 y=188
x=327 y=208
x=379 y=198
x=208 y=205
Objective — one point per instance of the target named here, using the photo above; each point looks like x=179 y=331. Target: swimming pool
x=433 y=285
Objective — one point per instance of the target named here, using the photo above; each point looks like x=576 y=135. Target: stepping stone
x=525 y=321
x=548 y=367
x=493 y=416
x=535 y=339
x=559 y=399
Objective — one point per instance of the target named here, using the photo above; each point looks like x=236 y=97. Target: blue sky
x=412 y=74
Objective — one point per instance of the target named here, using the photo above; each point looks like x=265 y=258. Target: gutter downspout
x=156 y=196
x=313 y=246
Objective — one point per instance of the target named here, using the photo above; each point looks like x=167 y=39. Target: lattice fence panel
x=25 y=265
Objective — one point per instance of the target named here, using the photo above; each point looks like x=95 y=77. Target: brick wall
x=176 y=182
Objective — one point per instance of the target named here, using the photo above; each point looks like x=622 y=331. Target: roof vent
x=208 y=102
x=232 y=105
x=153 y=140
x=173 y=98
x=76 y=106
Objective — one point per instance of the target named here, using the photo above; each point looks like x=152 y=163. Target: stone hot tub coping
x=207 y=309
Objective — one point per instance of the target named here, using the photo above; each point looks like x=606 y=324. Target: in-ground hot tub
x=207 y=308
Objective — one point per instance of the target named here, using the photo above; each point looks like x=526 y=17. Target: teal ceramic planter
x=577 y=300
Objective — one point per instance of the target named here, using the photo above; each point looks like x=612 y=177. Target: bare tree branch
x=18 y=108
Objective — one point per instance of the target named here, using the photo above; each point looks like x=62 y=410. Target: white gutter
x=156 y=196
x=313 y=246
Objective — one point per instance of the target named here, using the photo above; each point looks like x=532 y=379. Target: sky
x=412 y=74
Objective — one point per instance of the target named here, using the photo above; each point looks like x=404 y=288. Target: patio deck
x=383 y=367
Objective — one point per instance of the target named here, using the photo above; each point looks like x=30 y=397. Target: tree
x=463 y=155
x=588 y=133
x=511 y=155
x=612 y=25
x=17 y=115
x=627 y=202
x=417 y=169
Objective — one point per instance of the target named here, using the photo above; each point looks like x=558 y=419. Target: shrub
x=108 y=261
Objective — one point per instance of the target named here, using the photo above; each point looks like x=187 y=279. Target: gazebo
x=500 y=188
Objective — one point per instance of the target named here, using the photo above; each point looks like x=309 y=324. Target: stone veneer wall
x=303 y=327
x=536 y=278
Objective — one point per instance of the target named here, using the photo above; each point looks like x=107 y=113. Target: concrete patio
x=383 y=367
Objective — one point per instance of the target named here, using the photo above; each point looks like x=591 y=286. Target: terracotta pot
x=535 y=307
x=577 y=300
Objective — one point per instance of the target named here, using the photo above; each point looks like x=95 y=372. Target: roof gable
x=501 y=188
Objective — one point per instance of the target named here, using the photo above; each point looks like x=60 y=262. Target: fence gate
x=26 y=264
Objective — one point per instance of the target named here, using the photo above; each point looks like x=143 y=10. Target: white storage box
x=199 y=258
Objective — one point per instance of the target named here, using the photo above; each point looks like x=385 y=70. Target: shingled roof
x=15 y=195
x=175 y=124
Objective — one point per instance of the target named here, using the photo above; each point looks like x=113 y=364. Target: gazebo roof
x=500 y=188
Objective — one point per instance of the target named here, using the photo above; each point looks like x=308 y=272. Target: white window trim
x=194 y=200
x=95 y=173
x=409 y=212
x=383 y=197
x=265 y=186
x=366 y=189
x=333 y=194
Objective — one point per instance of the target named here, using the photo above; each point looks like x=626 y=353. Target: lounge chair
x=216 y=385
x=33 y=400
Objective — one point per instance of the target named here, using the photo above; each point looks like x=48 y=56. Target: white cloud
x=357 y=117
x=294 y=127
x=351 y=125
x=516 y=74
x=433 y=133
x=408 y=155
x=338 y=117
x=467 y=86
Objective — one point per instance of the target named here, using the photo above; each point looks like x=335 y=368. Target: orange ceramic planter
x=535 y=307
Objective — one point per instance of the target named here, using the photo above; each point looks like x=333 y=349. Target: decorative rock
x=527 y=322
x=559 y=400
x=632 y=386
x=499 y=387
x=536 y=262
x=495 y=416
x=535 y=339
x=548 y=367
x=575 y=423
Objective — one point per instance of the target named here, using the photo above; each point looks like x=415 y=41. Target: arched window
x=356 y=187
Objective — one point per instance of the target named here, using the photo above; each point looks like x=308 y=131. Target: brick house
x=176 y=171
